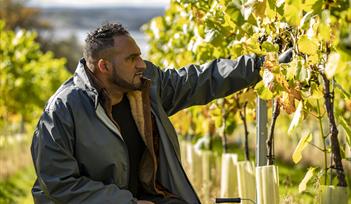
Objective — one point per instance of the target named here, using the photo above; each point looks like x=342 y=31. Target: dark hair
x=100 y=39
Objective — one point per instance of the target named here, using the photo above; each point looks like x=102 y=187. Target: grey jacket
x=79 y=154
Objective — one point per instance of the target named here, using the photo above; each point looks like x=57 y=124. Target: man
x=105 y=136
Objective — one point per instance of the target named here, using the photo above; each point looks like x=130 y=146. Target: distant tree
x=18 y=16
x=28 y=76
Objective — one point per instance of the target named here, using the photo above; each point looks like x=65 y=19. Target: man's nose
x=140 y=64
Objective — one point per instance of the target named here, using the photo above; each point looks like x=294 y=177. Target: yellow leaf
x=292 y=14
x=259 y=8
x=307 y=46
x=324 y=32
x=297 y=155
x=332 y=64
x=308 y=176
x=316 y=91
x=313 y=59
x=296 y=119
x=263 y=92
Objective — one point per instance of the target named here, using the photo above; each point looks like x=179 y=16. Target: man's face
x=127 y=64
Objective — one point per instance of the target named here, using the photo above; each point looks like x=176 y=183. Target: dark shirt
x=121 y=113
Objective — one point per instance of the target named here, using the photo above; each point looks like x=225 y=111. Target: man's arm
x=57 y=169
x=198 y=85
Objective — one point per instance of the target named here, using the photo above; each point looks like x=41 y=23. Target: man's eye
x=131 y=59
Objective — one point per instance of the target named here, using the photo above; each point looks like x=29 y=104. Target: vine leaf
x=296 y=119
x=332 y=64
x=347 y=129
x=324 y=31
x=293 y=12
x=305 y=19
x=270 y=47
x=297 y=155
x=246 y=9
x=307 y=46
x=313 y=5
x=214 y=37
x=263 y=92
x=260 y=8
x=267 y=78
x=233 y=10
x=308 y=176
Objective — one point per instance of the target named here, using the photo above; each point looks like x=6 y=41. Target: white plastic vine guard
x=267 y=183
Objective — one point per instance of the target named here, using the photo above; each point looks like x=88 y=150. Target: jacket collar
x=83 y=81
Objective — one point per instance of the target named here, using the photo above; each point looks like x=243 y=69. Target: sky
x=98 y=3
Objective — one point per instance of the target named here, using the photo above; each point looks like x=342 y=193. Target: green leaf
x=260 y=8
x=271 y=11
x=214 y=37
x=251 y=45
x=324 y=32
x=313 y=5
x=292 y=14
x=317 y=6
x=305 y=19
x=230 y=126
x=313 y=59
x=316 y=91
x=303 y=73
x=297 y=155
x=291 y=69
x=252 y=20
x=296 y=119
x=235 y=14
x=347 y=129
x=263 y=92
x=270 y=47
x=307 y=46
x=308 y=176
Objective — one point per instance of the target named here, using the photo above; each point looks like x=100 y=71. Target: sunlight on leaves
x=297 y=155
x=296 y=119
x=308 y=176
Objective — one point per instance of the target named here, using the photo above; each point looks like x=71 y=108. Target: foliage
x=19 y=16
x=297 y=155
x=318 y=31
x=17 y=187
x=27 y=76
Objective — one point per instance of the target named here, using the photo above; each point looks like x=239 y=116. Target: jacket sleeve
x=57 y=169
x=200 y=84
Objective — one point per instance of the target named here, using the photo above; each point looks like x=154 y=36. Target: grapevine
x=317 y=31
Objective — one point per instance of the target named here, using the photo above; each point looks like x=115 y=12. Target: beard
x=120 y=82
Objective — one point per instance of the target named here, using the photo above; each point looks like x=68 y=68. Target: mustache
x=139 y=71
x=141 y=74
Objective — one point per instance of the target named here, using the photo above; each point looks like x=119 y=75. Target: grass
x=290 y=176
x=16 y=188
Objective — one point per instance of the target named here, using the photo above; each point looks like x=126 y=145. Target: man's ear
x=103 y=65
